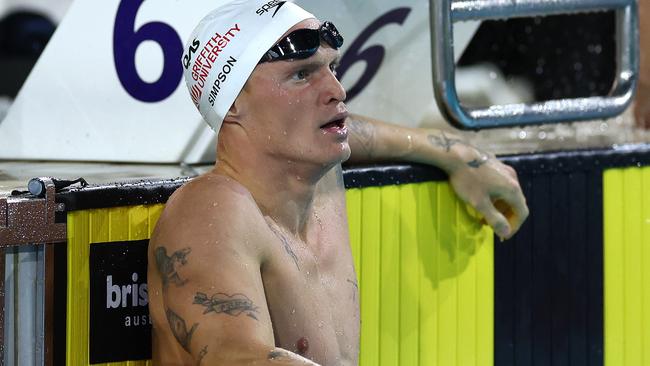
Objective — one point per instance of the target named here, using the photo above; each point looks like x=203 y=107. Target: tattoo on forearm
x=167 y=265
x=285 y=244
x=339 y=176
x=179 y=329
x=277 y=356
x=364 y=133
x=204 y=351
x=446 y=143
x=443 y=141
x=232 y=305
x=476 y=163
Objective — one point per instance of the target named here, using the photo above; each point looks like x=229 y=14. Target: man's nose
x=334 y=91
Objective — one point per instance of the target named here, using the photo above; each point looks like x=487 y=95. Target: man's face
x=295 y=109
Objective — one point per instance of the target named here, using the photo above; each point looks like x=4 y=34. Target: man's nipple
x=302 y=345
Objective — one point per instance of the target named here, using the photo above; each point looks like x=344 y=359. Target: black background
x=110 y=340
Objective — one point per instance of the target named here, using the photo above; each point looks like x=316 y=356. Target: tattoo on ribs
x=285 y=244
x=167 y=265
x=204 y=351
x=355 y=290
x=232 y=305
x=179 y=329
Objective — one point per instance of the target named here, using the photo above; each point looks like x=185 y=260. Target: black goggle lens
x=303 y=43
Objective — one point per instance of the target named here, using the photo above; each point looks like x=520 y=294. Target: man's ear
x=234 y=113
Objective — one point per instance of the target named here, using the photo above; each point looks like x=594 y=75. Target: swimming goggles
x=303 y=43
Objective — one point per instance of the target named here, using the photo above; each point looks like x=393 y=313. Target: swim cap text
x=206 y=59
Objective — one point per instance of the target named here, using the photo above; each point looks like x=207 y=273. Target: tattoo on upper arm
x=179 y=329
x=232 y=305
x=364 y=132
x=285 y=244
x=167 y=265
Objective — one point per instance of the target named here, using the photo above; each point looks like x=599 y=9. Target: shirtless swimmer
x=250 y=264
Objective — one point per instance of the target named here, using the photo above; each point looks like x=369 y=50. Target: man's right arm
x=212 y=292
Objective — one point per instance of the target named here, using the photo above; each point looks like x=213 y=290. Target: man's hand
x=489 y=186
x=492 y=188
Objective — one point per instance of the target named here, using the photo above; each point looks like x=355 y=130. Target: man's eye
x=301 y=75
x=333 y=68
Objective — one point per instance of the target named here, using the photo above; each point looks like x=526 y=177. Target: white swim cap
x=227 y=45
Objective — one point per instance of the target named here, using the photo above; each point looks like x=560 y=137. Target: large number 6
x=374 y=55
x=126 y=41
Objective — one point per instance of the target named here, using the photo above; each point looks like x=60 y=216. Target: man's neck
x=284 y=190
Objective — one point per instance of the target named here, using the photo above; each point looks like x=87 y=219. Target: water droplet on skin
x=293 y=311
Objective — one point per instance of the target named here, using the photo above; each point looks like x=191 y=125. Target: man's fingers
x=514 y=208
x=495 y=219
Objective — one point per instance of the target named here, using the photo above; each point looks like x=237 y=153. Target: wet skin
x=255 y=254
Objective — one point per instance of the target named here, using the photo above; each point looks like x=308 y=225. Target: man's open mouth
x=338 y=124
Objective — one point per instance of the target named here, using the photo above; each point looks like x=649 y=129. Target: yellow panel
x=389 y=278
x=435 y=302
x=425 y=270
x=409 y=273
x=627 y=258
x=429 y=252
x=645 y=258
x=370 y=272
x=97 y=226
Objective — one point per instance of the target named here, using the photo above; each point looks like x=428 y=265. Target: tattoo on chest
x=285 y=244
x=167 y=265
x=179 y=329
x=221 y=303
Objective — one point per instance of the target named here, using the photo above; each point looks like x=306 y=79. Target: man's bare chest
x=312 y=295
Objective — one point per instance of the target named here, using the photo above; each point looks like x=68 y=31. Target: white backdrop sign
x=108 y=85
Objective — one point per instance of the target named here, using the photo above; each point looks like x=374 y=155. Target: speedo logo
x=192 y=50
x=277 y=4
x=134 y=294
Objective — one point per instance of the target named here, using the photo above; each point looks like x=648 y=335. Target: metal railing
x=445 y=12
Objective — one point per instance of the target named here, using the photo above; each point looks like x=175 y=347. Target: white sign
x=108 y=85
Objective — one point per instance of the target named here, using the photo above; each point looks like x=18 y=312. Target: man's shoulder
x=210 y=208
x=211 y=192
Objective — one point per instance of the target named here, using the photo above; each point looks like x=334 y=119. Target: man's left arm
x=478 y=178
